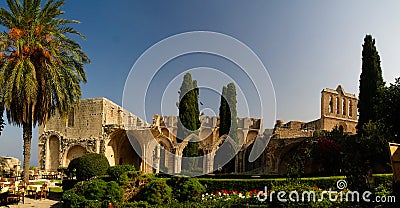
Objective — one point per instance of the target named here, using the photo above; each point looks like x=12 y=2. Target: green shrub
x=68 y=184
x=138 y=204
x=100 y=190
x=71 y=169
x=157 y=192
x=91 y=165
x=94 y=193
x=187 y=189
x=72 y=200
x=119 y=173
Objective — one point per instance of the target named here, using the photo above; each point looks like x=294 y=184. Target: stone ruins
x=338 y=109
x=100 y=126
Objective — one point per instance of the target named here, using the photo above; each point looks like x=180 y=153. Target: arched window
x=71 y=118
x=344 y=106
x=330 y=107
x=337 y=105
x=350 y=108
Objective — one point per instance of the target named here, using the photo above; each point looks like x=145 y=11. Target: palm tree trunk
x=27 y=135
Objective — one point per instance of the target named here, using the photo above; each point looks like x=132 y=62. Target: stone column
x=156 y=158
x=208 y=162
x=177 y=163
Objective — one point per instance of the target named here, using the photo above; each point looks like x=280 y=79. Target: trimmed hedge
x=213 y=185
x=91 y=165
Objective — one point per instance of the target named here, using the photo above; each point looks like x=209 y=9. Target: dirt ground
x=44 y=203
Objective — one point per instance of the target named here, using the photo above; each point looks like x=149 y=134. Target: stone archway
x=53 y=153
x=166 y=159
x=74 y=152
x=119 y=150
x=224 y=150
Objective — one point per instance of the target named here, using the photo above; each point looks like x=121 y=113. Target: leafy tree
x=41 y=68
x=188 y=113
x=391 y=110
x=371 y=84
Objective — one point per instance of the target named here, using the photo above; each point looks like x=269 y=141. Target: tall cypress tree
x=188 y=113
x=227 y=112
x=231 y=100
x=371 y=84
x=223 y=115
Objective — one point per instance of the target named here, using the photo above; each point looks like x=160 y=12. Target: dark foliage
x=119 y=173
x=371 y=84
x=91 y=165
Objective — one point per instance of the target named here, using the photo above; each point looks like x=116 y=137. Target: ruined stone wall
x=85 y=130
x=283 y=132
x=84 y=122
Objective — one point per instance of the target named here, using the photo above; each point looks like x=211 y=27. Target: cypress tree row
x=371 y=84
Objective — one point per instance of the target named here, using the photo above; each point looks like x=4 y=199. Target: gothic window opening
x=343 y=107
x=71 y=118
x=337 y=105
x=350 y=108
x=330 y=107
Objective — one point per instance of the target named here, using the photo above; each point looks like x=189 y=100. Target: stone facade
x=84 y=131
x=338 y=108
x=100 y=126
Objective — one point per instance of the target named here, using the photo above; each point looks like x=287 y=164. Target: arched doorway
x=74 y=152
x=224 y=160
x=53 y=153
x=120 y=151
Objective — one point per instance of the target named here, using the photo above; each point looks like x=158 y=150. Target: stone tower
x=338 y=108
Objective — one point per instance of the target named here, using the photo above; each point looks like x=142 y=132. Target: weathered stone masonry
x=101 y=126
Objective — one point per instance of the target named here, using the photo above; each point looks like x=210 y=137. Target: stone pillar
x=208 y=162
x=171 y=162
x=156 y=158
x=144 y=158
x=177 y=163
x=237 y=163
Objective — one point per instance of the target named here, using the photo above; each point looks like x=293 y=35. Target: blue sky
x=305 y=45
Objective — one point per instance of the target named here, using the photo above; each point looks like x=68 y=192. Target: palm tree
x=1 y=118
x=41 y=67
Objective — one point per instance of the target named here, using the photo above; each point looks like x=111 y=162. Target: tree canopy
x=41 y=67
x=371 y=84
